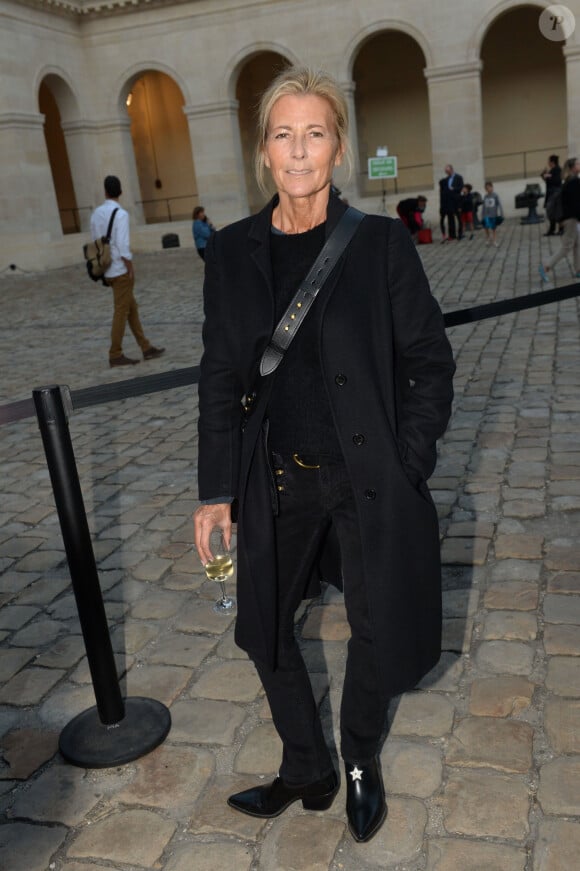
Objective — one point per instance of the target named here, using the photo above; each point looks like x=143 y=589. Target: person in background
x=449 y=190
x=201 y=229
x=336 y=447
x=552 y=175
x=490 y=212
x=466 y=210
x=571 y=213
x=410 y=211
x=120 y=276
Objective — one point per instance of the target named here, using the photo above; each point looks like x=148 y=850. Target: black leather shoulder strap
x=288 y=326
x=110 y=227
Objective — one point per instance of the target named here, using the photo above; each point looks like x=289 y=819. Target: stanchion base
x=87 y=742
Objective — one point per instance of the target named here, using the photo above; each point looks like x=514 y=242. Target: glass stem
x=223 y=589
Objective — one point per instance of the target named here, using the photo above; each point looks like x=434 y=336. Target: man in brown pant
x=120 y=276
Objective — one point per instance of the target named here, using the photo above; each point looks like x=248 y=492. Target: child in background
x=466 y=209
x=491 y=211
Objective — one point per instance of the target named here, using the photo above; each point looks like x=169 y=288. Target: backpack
x=97 y=254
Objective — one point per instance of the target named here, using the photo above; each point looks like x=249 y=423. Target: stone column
x=572 y=56
x=351 y=188
x=456 y=120
x=218 y=160
x=28 y=203
x=80 y=145
x=114 y=155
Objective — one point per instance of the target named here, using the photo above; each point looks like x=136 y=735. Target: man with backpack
x=120 y=276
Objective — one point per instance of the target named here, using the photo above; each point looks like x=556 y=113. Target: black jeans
x=311 y=501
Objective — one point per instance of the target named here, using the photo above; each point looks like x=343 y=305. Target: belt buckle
x=302 y=464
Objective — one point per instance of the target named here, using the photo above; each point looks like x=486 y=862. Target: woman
x=201 y=229
x=335 y=450
x=571 y=217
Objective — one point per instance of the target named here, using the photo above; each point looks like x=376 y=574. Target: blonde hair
x=296 y=81
x=569 y=167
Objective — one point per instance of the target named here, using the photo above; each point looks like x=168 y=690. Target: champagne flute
x=219 y=568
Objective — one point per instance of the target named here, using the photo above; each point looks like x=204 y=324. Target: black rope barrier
x=507 y=306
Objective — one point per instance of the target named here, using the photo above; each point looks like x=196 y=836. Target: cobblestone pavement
x=482 y=764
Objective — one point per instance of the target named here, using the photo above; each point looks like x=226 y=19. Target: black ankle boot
x=271 y=800
x=366 y=808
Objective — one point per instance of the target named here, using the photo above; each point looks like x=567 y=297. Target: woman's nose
x=298 y=146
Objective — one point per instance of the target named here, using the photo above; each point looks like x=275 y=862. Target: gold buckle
x=302 y=465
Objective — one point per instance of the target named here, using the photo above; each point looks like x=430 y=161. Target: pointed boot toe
x=271 y=800
x=366 y=808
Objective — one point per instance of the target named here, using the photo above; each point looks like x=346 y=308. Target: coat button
x=370 y=495
x=340 y=379
x=358 y=439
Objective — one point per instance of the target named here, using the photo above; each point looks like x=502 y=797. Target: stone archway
x=55 y=102
x=162 y=147
x=254 y=77
x=392 y=109
x=523 y=87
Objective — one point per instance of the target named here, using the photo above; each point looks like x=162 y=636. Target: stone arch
x=153 y=98
x=59 y=105
x=483 y=24
x=523 y=93
x=354 y=46
x=63 y=90
x=250 y=73
x=122 y=87
x=398 y=118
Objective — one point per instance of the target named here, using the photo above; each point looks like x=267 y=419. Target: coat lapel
x=259 y=241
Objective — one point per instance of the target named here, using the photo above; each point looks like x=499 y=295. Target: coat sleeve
x=220 y=391
x=423 y=358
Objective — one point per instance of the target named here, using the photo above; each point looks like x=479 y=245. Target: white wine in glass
x=220 y=568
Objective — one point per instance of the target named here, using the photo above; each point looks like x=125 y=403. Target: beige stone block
x=228 y=649
x=562 y=724
x=200 y=617
x=158 y=605
x=62 y=794
x=424 y=714
x=411 y=768
x=169 y=777
x=13 y=660
x=559 y=789
x=562 y=639
x=562 y=557
x=24 y=751
x=327 y=622
x=445 y=676
x=562 y=609
x=205 y=721
x=234 y=680
x=29 y=686
x=557 y=846
x=519 y=546
x=500 y=696
x=136 y=837
x=510 y=625
x=307 y=843
x=261 y=752
x=493 y=743
x=524 y=508
x=398 y=841
x=163 y=682
x=460 y=603
x=211 y=857
x=213 y=814
x=479 y=804
x=181 y=649
x=563 y=676
x=464 y=551
x=25 y=847
x=564 y=582
x=447 y=854
x=512 y=596
x=456 y=635
x=471 y=529
x=64 y=654
x=132 y=636
x=505 y=657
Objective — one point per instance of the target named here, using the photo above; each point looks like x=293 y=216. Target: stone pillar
x=28 y=203
x=572 y=56
x=456 y=120
x=80 y=145
x=114 y=155
x=218 y=160
x=351 y=188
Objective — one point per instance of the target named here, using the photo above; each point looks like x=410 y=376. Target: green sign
x=382 y=167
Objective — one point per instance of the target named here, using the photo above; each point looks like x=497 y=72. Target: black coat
x=388 y=371
x=449 y=196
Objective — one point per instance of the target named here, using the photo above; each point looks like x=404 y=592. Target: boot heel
x=319 y=803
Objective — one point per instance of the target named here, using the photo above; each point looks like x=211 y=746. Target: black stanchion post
x=114 y=732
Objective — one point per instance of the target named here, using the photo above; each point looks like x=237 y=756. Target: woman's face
x=302 y=146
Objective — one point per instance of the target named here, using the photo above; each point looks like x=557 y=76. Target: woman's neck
x=298 y=215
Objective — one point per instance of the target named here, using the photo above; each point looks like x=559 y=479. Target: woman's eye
x=282 y=135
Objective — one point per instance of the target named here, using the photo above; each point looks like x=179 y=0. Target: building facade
x=163 y=93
